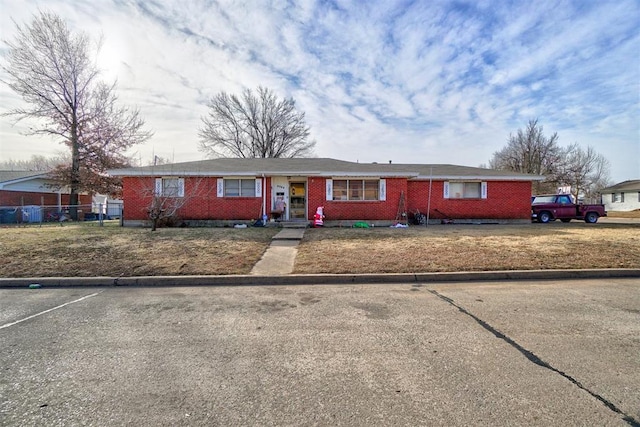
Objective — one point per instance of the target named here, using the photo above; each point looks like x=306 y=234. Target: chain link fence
x=60 y=214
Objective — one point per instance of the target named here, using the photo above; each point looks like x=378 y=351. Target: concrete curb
x=318 y=279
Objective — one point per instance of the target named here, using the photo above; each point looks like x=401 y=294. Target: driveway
x=530 y=353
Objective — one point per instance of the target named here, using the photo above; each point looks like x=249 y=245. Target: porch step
x=294 y=234
x=294 y=224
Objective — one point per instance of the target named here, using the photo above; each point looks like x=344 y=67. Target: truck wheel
x=591 y=218
x=566 y=220
x=544 y=217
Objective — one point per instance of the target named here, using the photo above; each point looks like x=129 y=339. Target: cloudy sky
x=408 y=81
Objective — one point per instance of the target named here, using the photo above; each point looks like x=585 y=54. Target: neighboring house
x=216 y=192
x=19 y=189
x=624 y=196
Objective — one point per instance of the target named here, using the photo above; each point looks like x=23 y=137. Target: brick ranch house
x=224 y=191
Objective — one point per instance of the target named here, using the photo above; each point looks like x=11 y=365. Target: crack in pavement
x=532 y=357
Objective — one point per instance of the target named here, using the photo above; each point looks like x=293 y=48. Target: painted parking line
x=49 y=310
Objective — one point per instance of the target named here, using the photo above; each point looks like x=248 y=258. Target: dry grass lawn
x=86 y=249
x=624 y=214
x=470 y=248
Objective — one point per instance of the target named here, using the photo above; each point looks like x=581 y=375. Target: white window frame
x=483 y=190
x=382 y=189
x=256 y=185
x=162 y=189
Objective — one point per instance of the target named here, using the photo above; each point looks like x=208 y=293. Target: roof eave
x=325 y=174
x=482 y=177
x=25 y=178
x=156 y=173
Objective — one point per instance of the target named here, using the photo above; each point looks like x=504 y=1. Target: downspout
x=429 y=201
x=264 y=198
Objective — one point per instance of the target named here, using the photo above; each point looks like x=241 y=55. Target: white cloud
x=437 y=81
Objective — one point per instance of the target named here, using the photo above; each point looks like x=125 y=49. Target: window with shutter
x=465 y=190
x=356 y=189
x=169 y=187
x=240 y=187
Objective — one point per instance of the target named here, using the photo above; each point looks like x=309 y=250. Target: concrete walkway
x=280 y=256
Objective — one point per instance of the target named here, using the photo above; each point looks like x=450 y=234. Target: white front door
x=280 y=188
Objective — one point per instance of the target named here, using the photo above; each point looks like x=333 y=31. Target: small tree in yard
x=162 y=209
x=167 y=196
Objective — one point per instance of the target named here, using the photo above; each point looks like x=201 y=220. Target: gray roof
x=7 y=176
x=631 y=185
x=318 y=167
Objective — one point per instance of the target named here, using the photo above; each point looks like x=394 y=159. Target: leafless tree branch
x=254 y=125
x=51 y=68
x=530 y=151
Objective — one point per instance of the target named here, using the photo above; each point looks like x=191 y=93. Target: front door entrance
x=298 y=200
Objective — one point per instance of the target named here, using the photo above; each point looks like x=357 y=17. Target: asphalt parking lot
x=530 y=353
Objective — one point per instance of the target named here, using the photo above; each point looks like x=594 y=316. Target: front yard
x=470 y=248
x=85 y=249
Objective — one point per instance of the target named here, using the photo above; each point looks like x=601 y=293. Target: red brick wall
x=356 y=210
x=316 y=189
x=505 y=200
x=19 y=198
x=136 y=197
x=202 y=202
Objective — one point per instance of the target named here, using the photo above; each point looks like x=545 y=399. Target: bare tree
x=530 y=151
x=51 y=68
x=36 y=163
x=163 y=209
x=164 y=197
x=254 y=125
x=586 y=171
x=106 y=132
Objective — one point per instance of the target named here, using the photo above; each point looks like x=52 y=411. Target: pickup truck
x=547 y=208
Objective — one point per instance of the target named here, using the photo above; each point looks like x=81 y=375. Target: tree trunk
x=75 y=170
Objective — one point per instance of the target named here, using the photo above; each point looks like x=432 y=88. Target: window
x=371 y=189
x=543 y=199
x=239 y=188
x=340 y=189
x=355 y=189
x=465 y=190
x=617 y=197
x=564 y=200
x=169 y=187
